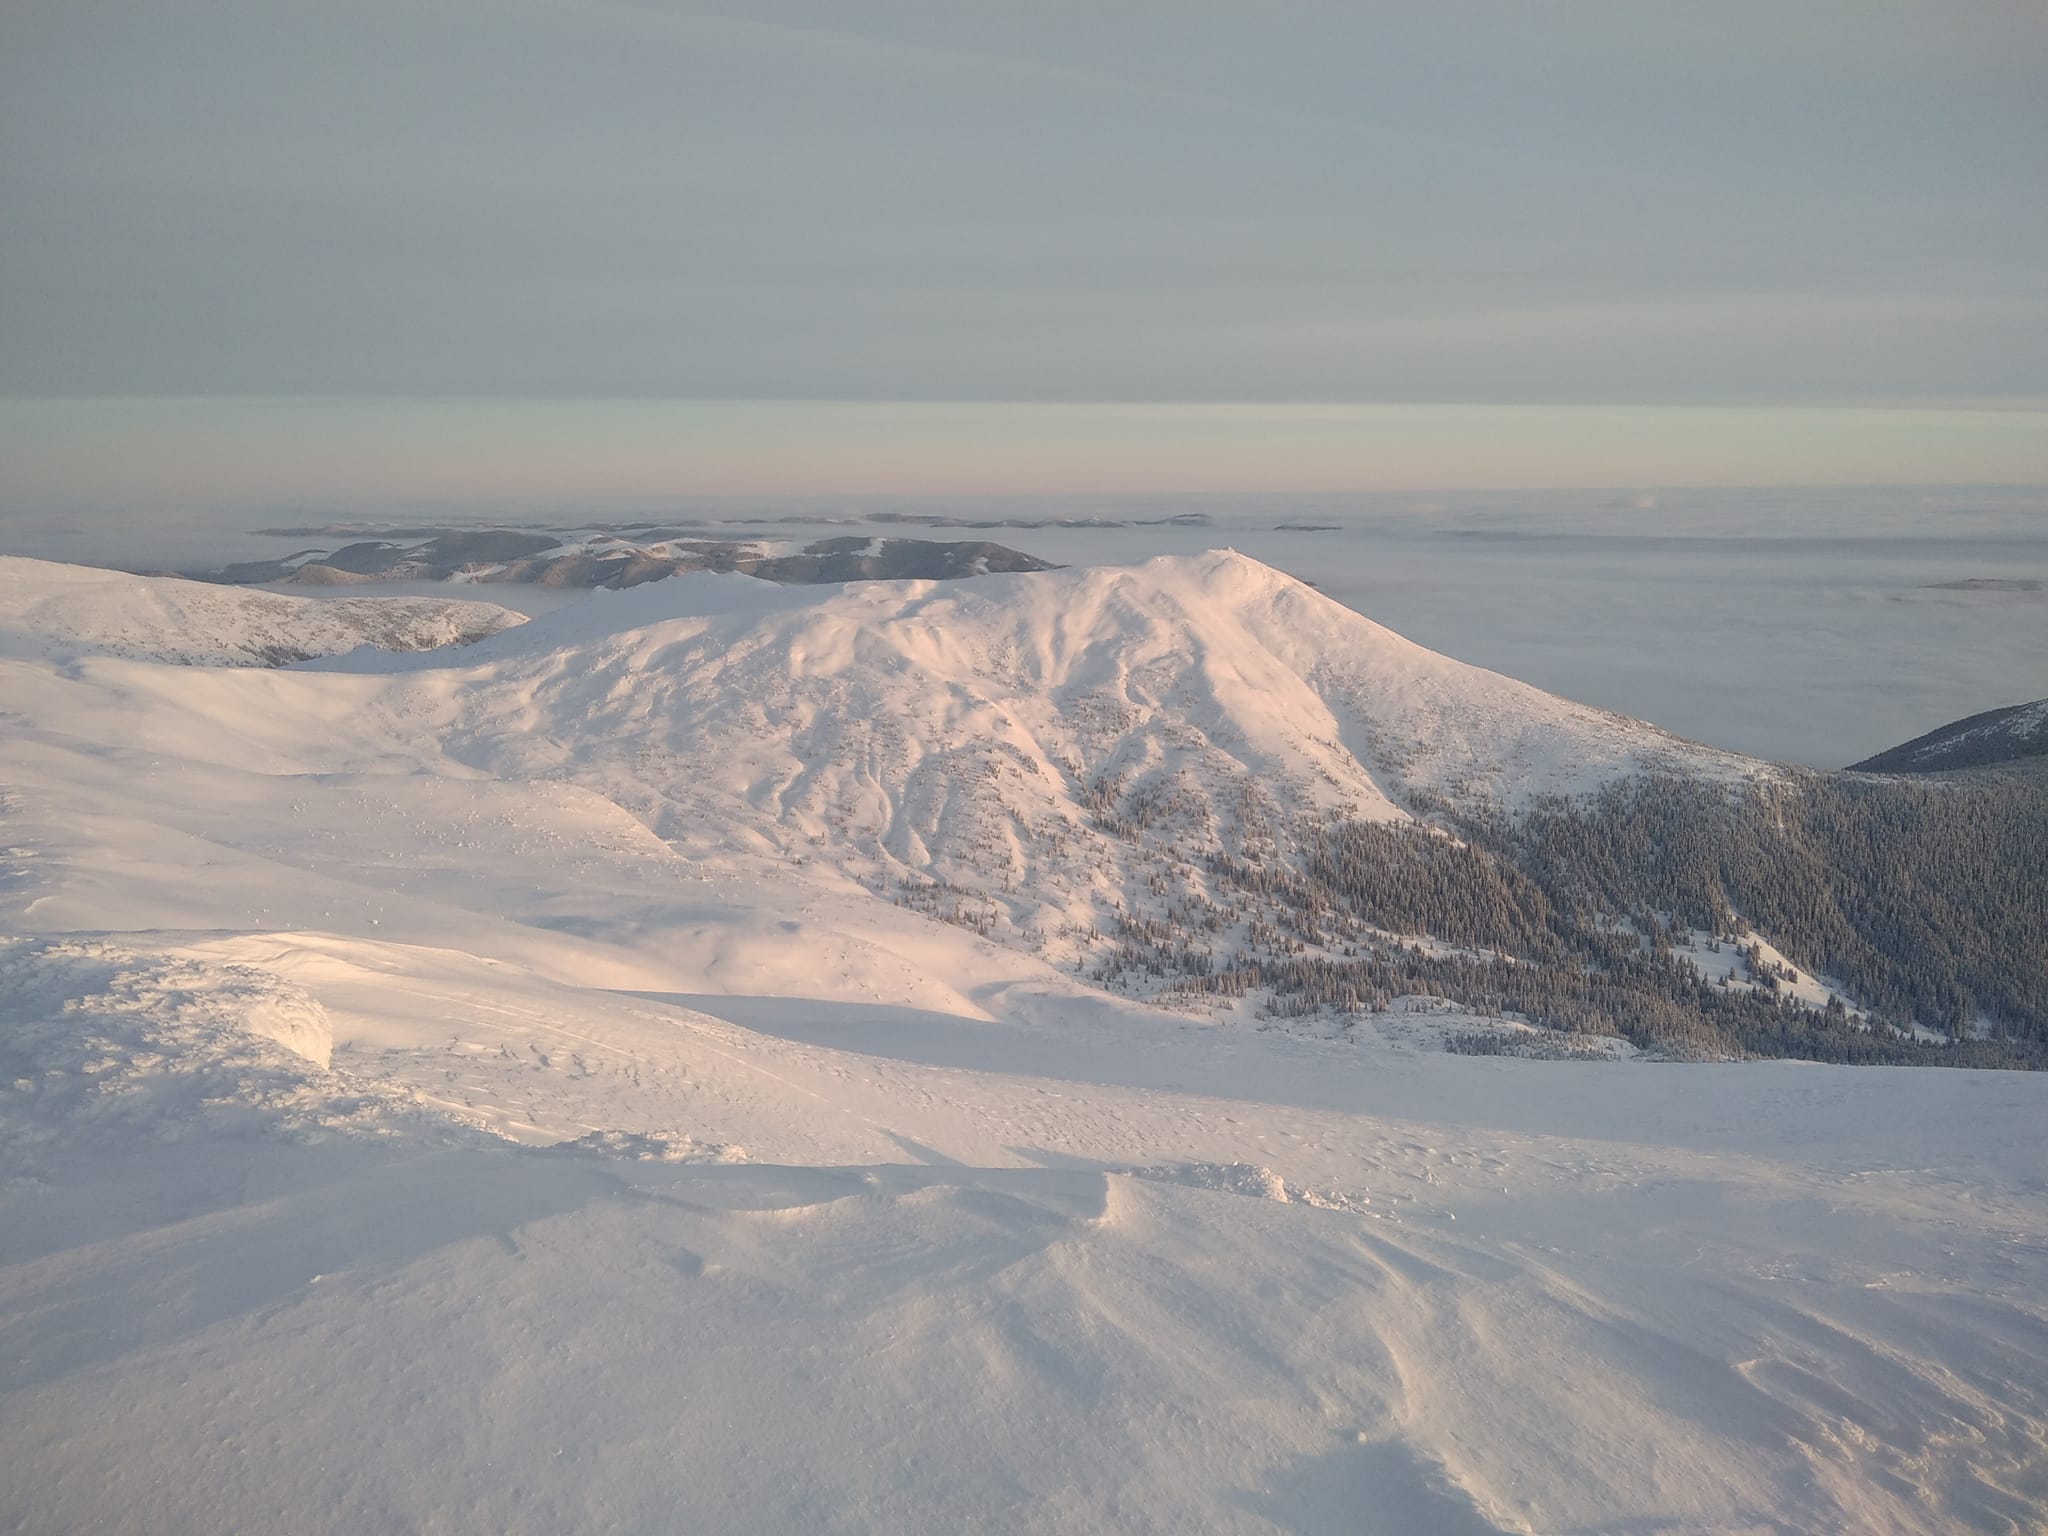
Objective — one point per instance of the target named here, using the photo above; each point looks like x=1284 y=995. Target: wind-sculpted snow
x=70 y=611
x=113 y=1047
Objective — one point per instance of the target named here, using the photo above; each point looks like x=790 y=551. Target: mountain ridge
x=1195 y=779
x=607 y=558
x=1988 y=739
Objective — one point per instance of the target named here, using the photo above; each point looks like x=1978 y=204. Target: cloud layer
x=1585 y=203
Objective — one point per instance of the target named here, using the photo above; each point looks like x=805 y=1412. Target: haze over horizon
x=258 y=254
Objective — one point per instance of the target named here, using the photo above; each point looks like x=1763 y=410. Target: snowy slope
x=787 y=1265
x=1081 y=667
x=433 y=1098
x=67 y=610
x=2017 y=732
x=1030 y=753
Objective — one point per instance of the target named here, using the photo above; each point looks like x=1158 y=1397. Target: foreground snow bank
x=108 y=1048
x=1170 y=1309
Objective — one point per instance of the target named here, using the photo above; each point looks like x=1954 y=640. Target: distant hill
x=604 y=559
x=1997 y=736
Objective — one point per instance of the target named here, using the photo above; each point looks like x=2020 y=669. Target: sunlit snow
x=503 y=1088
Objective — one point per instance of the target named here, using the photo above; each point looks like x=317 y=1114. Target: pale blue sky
x=1776 y=233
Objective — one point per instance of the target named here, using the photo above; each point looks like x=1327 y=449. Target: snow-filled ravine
x=494 y=1088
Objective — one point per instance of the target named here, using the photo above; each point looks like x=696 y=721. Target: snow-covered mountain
x=1182 y=673
x=1164 y=777
x=48 y=609
x=1031 y=754
x=482 y=1088
x=1047 y=746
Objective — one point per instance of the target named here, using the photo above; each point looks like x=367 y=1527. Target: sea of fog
x=1810 y=626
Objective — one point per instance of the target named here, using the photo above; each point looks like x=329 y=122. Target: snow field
x=436 y=1097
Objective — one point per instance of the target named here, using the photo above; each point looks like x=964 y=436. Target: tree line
x=1926 y=900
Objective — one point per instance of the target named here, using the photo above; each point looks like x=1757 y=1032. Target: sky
x=348 y=249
